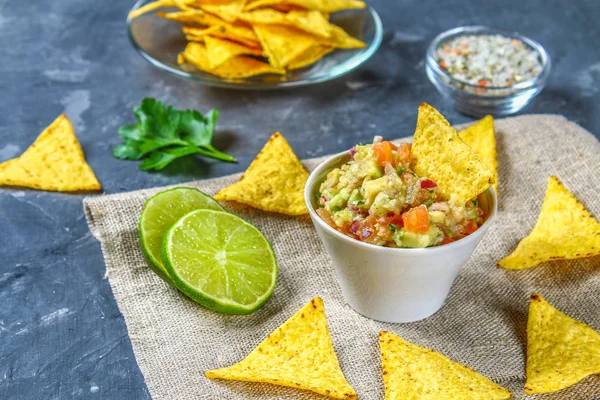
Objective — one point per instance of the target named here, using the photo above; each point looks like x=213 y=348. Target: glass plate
x=159 y=41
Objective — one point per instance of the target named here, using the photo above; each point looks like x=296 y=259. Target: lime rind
x=151 y=247
x=261 y=265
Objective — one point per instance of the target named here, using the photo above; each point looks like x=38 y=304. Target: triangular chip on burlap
x=298 y=354
x=564 y=230
x=561 y=351
x=54 y=161
x=413 y=372
x=273 y=182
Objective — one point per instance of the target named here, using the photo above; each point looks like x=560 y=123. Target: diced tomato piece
x=469 y=228
x=404 y=153
x=416 y=220
x=395 y=219
x=482 y=82
x=447 y=240
x=383 y=152
x=443 y=65
x=428 y=184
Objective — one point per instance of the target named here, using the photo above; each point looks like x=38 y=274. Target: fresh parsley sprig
x=164 y=134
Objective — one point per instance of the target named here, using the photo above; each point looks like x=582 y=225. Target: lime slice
x=220 y=261
x=160 y=212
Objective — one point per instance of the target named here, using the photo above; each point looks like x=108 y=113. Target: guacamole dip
x=376 y=198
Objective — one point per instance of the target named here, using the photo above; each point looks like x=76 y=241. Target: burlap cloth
x=482 y=325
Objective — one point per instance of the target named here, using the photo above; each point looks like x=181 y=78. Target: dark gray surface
x=61 y=333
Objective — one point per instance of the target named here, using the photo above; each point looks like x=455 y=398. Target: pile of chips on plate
x=236 y=39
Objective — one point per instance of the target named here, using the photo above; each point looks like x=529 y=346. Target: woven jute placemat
x=482 y=324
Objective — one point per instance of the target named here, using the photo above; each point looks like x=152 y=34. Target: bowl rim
x=335 y=72
x=337 y=158
x=480 y=30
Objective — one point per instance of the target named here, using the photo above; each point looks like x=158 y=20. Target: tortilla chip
x=561 y=351
x=151 y=7
x=313 y=21
x=298 y=354
x=54 y=162
x=565 y=230
x=181 y=4
x=282 y=43
x=226 y=11
x=482 y=139
x=341 y=40
x=290 y=7
x=221 y=50
x=413 y=372
x=240 y=34
x=320 y=5
x=234 y=68
x=273 y=182
x=192 y=17
x=310 y=56
x=439 y=154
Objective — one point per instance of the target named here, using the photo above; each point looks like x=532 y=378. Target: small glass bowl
x=479 y=101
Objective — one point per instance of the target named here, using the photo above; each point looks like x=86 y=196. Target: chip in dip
x=376 y=198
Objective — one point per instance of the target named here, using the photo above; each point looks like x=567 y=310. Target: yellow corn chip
x=290 y=7
x=151 y=7
x=341 y=40
x=482 y=139
x=234 y=68
x=227 y=11
x=273 y=182
x=282 y=43
x=312 y=21
x=221 y=50
x=439 y=154
x=561 y=351
x=564 y=230
x=320 y=5
x=181 y=4
x=192 y=17
x=54 y=161
x=411 y=372
x=298 y=354
x=240 y=34
x=310 y=56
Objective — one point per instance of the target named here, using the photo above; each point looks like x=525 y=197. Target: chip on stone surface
x=54 y=162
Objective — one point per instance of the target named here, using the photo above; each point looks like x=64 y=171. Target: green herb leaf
x=127 y=151
x=161 y=158
x=392 y=227
x=360 y=202
x=164 y=134
x=475 y=202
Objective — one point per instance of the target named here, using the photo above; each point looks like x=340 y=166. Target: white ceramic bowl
x=392 y=284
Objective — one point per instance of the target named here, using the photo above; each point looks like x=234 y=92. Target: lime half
x=160 y=212
x=220 y=261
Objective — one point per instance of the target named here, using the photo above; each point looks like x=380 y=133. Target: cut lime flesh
x=160 y=212
x=220 y=261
